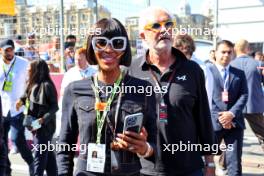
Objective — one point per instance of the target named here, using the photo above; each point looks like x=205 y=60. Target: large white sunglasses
x=117 y=43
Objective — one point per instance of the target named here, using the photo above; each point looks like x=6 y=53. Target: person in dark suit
x=229 y=98
x=3 y=150
x=254 y=109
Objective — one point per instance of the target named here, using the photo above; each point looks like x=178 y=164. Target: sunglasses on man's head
x=157 y=25
x=117 y=43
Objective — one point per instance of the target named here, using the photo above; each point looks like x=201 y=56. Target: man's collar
x=179 y=57
x=80 y=69
x=243 y=56
x=220 y=67
x=143 y=64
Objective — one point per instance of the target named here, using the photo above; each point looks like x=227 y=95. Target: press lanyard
x=100 y=119
x=226 y=80
x=163 y=115
x=10 y=68
x=113 y=128
x=226 y=83
x=158 y=83
x=26 y=107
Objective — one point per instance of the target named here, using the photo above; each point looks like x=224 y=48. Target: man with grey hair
x=254 y=109
x=183 y=110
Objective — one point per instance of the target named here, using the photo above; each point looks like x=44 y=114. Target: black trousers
x=44 y=158
x=256 y=122
x=234 y=139
x=195 y=173
x=84 y=173
x=3 y=158
x=17 y=123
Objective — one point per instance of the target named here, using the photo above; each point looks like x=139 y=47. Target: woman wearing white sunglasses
x=96 y=109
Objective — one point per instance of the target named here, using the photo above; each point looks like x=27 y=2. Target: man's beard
x=9 y=58
x=162 y=47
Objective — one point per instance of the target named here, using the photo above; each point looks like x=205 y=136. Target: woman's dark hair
x=39 y=73
x=71 y=37
x=109 y=28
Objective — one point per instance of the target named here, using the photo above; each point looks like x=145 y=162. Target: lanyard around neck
x=226 y=79
x=101 y=118
x=27 y=104
x=158 y=83
x=113 y=128
x=9 y=70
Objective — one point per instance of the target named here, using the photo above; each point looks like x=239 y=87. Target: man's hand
x=228 y=126
x=133 y=142
x=41 y=120
x=225 y=118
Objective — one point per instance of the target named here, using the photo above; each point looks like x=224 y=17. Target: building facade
x=242 y=20
x=44 y=21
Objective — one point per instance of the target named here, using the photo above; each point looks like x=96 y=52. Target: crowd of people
x=50 y=52
x=130 y=133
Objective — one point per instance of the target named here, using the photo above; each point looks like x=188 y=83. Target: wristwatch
x=210 y=164
x=147 y=152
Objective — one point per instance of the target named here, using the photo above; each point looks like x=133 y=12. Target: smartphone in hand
x=133 y=122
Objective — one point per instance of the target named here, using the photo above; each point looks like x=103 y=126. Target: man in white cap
x=13 y=75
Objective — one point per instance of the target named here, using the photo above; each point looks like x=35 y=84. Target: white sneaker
x=221 y=172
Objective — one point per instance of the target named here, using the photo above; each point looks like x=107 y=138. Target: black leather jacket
x=43 y=103
x=79 y=118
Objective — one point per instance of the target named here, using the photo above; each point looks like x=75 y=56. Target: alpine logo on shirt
x=181 y=78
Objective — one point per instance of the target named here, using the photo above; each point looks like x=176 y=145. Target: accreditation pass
x=96 y=157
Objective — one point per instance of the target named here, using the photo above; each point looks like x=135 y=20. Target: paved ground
x=253 y=158
x=253 y=155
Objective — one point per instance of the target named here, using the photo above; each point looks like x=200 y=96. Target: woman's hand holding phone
x=133 y=142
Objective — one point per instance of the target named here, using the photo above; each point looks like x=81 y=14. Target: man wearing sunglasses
x=183 y=110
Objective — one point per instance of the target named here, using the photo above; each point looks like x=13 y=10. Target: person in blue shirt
x=69 y=55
